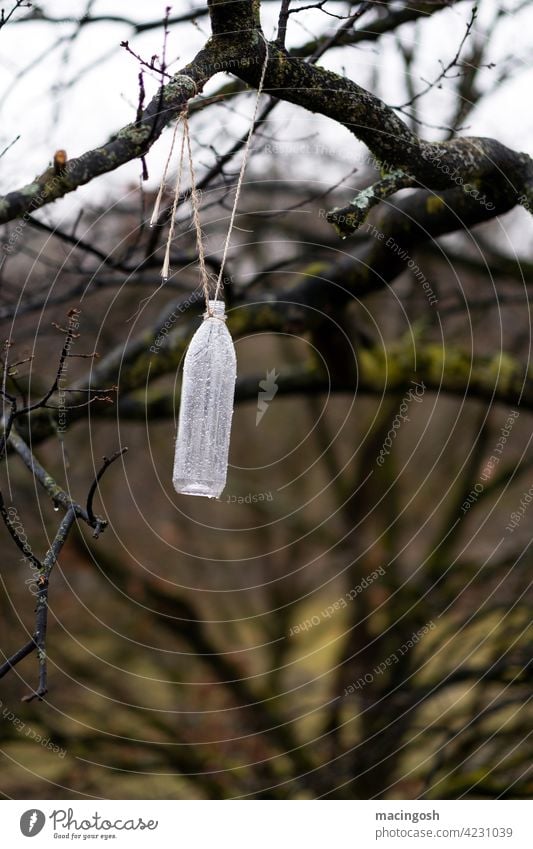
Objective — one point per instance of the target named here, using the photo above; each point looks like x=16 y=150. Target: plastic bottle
x=206 y=408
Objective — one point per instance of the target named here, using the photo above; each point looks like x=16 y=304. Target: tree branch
x=41 y=610
x=131 y=142
x=236 y=46
x=473 y=164
x=378 y=27
x=93 y=520
x=42 y=571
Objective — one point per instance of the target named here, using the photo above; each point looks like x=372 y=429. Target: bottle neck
x=215 y=309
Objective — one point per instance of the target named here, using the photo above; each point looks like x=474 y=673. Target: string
x=165 y=271
x=195 y=204
x=241 y=174
x=195 y=199
x=155 y=213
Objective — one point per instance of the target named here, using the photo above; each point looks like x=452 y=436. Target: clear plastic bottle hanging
x=206 y=408
x=210 y=368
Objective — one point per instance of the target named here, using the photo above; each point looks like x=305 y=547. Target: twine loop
x=185 y=146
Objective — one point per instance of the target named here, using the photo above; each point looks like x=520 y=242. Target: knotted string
x=195 y=199
x=195 y=204
x=155 y=213
x=240 y=181
x=165 y=271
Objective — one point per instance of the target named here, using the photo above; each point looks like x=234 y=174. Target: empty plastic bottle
x=206 y=408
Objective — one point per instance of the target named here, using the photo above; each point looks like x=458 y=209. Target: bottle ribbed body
x=206 y=409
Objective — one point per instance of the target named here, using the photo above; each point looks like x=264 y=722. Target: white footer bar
x=257 y=824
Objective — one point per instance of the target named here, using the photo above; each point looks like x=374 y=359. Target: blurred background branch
x=352 y=618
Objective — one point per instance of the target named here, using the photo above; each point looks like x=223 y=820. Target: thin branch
x=19 y=4
x=43 y=570
x=378 y=27
x=41 y=623
x=59 y=497
x=138 y=27
x=348 y=218
x=70 y=335
x=283 y=20
x=16 y=537
x=445 y=69
x=17 y=657
x=337 y=37
x=93 y=520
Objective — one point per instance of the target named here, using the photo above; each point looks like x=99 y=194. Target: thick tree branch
x=479 y=165
x=324 y=287
x=236 y=46
x=498 y=379
x=131 y=142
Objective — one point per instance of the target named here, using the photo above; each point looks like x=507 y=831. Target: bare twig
x=70 y=335
x=41 y=623
x=282 y=22
x=19 y=4
x=15 y=535
x=17 y=657
x=446 y=68
x=43 y=570
x=93 y=520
